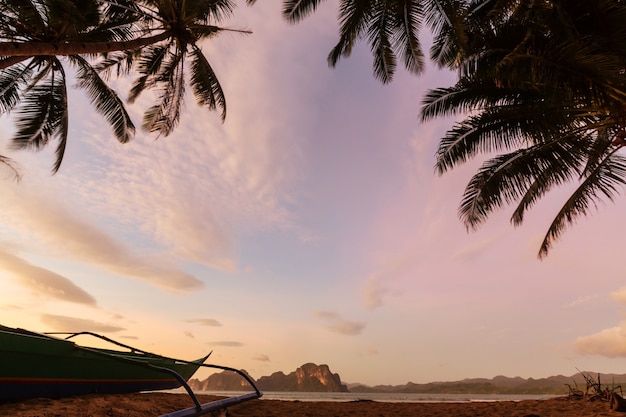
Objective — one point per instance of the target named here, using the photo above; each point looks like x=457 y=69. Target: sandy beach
x=155 y=404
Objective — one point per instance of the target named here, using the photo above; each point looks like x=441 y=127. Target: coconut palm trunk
x=153 y=38
x=66 y=48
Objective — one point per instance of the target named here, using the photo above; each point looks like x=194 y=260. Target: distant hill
x=318 y=378
x=556 y=385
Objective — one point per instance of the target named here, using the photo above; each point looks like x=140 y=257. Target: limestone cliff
x=307 y=378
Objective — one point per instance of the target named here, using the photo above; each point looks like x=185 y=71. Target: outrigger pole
x=200 y=409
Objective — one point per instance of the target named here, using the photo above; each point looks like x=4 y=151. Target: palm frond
x=210 y=31
x=483 y=133
x=505 y=178
x=11 y=166
x=448 y=23
x=208 y=11
x=149 y=66
x=353 y=17
x=380 y=36
x=206 y=86
x=603 y=180
x=42 y=115
x=558 y=172
x=296 y=10
x=12 y=82
x=164 y=116
x=105 y=99
x=406 y=40
x=122 y=62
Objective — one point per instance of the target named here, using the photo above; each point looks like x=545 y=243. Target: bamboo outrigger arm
x=200 y=409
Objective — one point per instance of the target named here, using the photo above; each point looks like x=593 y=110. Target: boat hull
x=33 y=365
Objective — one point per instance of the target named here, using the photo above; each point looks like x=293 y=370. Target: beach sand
x=155 y=404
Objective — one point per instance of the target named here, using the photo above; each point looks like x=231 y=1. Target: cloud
x=194 y=191
x=371 y=351
x=261 y=358
x=474 y=251
x=66 y=235
x=205 y=322
x=190 y=335
x=11 y=307
x=44 y=281
x=374 y=291
x=73 y=324
x=583 y=300
x=378 y=283
x=226 y=343
x=337 y=324
x=619 y=295
x=190 y=195
x=608 y=342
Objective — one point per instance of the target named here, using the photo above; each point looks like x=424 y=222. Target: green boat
x=42 y=365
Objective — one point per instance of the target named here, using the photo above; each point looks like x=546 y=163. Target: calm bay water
x=381 y=397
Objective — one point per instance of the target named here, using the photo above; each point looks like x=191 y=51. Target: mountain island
x=318 y=378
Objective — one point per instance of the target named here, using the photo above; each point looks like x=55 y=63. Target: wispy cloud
x=205 y=322
x=582 y=300
x=472 y=252
x=261 y=358
x=73 y=324
x=43 y=281
x=194 y=191
x=371 y=351
x=379 y=283
x=619 y=295
x=374 y=291
x=226 y=343
x=337 y=324
x=66 y=235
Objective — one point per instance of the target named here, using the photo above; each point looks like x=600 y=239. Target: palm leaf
x=105 y=99
x=164 y=116
x=380 y=33
x=296 y=10
x=448 y=22
x=406 y=34
x=207 y=11
x=12 y=81
x=9 y=164
x=149 y=65
x=42 y=115
x=555 y=174
x=603 y=180
x=122 y=61
x=502 y=129
x=206 y=86
x=505 y=178
x=353 y=16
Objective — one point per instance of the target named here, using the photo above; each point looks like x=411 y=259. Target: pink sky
x=309 y=227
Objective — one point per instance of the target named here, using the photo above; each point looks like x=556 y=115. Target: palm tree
x=543 y=86
x=36 y=86
x=154 y=36
x=161 y=66
x=390 y=26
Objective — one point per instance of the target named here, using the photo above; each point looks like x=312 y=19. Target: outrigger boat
x=42 y=365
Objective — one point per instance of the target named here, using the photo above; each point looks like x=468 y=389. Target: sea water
x=380 y=397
